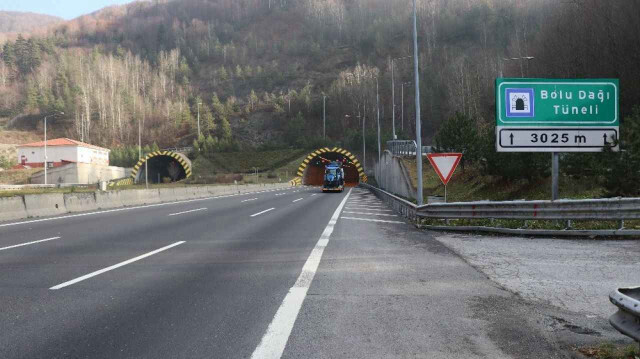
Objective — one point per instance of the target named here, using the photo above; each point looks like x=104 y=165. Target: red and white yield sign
x=444 y=164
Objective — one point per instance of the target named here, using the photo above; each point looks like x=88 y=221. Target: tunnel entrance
x=311 y=171
x=164 y=167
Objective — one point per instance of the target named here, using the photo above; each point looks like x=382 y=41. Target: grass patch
x=17 y=176
x=273 y=167
x=611 y=351
x=244 y=162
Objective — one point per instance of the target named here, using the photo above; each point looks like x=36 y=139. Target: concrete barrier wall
x=42 y=205
x=80 y=202
x=108 y=200
x=392 y=176
x=12 y=208
x=52 y=204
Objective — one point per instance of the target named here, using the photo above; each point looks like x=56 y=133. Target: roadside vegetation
x=611 y=351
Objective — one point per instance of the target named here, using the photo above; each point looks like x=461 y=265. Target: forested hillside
x=260 y=68
x=14 y=22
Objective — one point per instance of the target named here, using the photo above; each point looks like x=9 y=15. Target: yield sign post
x=444 y=164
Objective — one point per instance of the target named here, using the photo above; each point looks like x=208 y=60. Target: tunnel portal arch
x=336 y=151
x=162 y=164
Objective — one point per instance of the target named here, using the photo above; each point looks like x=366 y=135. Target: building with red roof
x=61 y=151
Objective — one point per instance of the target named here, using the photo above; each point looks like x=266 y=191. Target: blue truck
x=333 y=178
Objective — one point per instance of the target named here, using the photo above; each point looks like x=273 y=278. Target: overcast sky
x=67 y=9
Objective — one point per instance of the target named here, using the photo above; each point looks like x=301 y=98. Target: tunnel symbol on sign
x=520 y=103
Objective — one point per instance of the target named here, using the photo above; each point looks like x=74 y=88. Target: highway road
x=291 y=273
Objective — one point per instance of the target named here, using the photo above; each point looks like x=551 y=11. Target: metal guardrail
x=615 y=209
x=18 y=187
x=38 y=186
x=406 y=148
x=627 y=319
x=591 y=209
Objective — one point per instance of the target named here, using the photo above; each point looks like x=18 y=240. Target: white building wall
x=64 y=153
x=54 y=154
x=94 y=156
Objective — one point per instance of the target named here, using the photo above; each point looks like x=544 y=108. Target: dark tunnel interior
x=314 y=173
x=162 y=169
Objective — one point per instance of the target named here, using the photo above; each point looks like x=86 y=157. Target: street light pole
x=364 y=145
x=45 y=150
x=45 y=144
x=393 y=101
x=199 y=103
x=418 y=125
x=378 y=111
x=393 y=94
x=324 y=117
x=404 y=83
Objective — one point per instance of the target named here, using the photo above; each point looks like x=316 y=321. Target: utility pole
x=378 y=111
x=416 y=69
x=199 y=103
x=324 y=117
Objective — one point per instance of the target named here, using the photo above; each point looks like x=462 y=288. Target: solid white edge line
x=98 y=272
x=299 y=199
x=126 y=209
x=370 y=209
x=372 y=214
x=28 y=243
x=275 y=339
x=371 y=220
x=185 y=212
x=263 y=212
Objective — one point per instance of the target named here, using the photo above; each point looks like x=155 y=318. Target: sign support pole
x=445 y=193
x=555 y=174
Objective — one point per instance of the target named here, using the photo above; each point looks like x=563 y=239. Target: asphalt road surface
x=290 y=273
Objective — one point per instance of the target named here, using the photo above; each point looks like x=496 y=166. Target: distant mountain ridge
x=13 y=21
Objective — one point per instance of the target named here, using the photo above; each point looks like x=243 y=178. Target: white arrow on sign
x=444 y=164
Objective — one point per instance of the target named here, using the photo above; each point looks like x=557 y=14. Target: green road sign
x=546 y=115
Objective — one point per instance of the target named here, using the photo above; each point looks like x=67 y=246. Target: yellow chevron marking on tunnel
x=318 y=152
x=174 y=155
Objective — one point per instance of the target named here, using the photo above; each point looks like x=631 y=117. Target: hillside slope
x=257 y=71
x=13 y=21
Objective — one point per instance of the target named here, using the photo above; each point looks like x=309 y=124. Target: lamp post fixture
x=45 y=143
